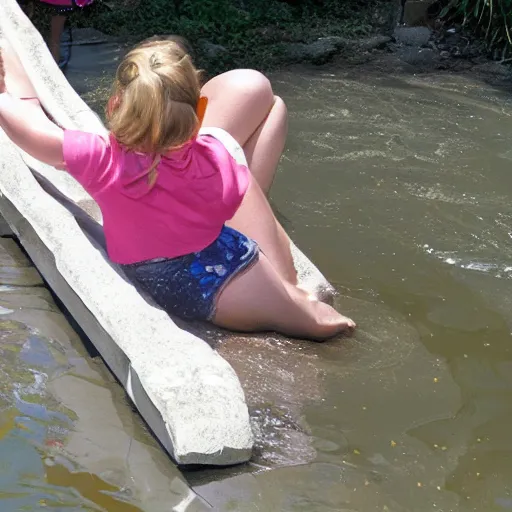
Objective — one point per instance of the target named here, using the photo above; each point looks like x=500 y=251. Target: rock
x=318 y=52
x=416 y=11
x=412 y=36
x=417 y=56
x=373 y=43
x=493 y=68
x=323 y=49
x=211 y=50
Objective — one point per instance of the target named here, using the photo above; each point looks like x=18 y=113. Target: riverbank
x=412 y=50
x=226 y=35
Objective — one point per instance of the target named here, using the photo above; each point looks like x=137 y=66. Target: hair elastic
x=201 y=108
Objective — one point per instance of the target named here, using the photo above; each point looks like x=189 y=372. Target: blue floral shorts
x=188 y=286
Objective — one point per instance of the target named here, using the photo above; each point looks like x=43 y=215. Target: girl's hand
x=2 y=73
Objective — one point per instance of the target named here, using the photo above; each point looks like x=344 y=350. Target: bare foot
x=331 y=323
x=323 y=293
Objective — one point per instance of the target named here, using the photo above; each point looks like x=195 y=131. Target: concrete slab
x=5 y=230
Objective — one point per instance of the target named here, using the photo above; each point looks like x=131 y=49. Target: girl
x=61 y=10
x=176 y=204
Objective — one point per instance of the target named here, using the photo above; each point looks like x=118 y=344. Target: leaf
x=444 y=11
x=477 y=8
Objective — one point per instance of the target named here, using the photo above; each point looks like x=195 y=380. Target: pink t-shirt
x=80 y=3
x=199 y=187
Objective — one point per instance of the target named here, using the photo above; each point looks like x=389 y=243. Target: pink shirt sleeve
x=89 y=158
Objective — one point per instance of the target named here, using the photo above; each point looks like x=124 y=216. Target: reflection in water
x=68 y=439
x=90 y=487
x=36 y=470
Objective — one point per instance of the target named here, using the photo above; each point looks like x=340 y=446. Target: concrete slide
x=188 y=394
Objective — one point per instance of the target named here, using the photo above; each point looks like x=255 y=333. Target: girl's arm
x=28 y=127
x=90 y=158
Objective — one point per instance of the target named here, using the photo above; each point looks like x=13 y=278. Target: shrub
x=490 y=19
x=250 y=29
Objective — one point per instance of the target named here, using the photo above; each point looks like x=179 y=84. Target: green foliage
x=490 y=19
x=251 y=30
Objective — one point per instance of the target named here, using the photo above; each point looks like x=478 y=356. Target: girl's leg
x=265 y=146
x=242 y=103
x=57 y=28
x=256 y=220
x=259 y=300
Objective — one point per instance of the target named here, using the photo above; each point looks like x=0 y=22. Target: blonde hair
x=155 y=97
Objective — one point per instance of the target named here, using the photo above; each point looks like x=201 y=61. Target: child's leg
x=259 y=300
x=56 y=29
x=242 y=103
x=265 y=146
x=256 y=220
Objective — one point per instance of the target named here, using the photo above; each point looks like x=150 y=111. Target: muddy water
x=68 y=438
x=399 y=188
